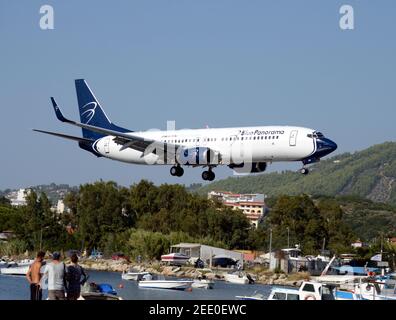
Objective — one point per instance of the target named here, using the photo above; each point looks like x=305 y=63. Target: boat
x=202 y=284
x=256 y=296
x=238 y=278
x=24 y=262
x=175 y=258
x=93 y=291
x=14 y=271
x=178 y=284
x=308 y=290
x=328 y=288
x=133 y=275
x=19 y=269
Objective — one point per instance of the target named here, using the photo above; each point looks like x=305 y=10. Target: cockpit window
x=315 y=134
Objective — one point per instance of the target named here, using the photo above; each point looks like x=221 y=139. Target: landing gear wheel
x=180 y=171
x=205 y=175
x=176 y=171
x=304 y=171
x=208 y=175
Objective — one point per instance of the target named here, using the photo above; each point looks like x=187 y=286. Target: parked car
x=224 y=262
x=119 y=256
x=96 y=255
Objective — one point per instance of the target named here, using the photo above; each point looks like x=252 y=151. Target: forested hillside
x=370 y=174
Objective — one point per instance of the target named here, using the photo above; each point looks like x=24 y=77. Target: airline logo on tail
x=88 y=114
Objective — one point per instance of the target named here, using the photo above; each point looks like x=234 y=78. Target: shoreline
x=259 y=275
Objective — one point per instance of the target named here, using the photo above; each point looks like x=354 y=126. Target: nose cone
x=331 y=145
x=325 y=146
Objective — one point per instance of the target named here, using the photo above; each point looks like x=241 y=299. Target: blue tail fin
x=91 y=112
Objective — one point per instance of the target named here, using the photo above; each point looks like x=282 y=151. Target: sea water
x=17 y=288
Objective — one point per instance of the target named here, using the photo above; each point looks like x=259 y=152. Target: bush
x=13 y=247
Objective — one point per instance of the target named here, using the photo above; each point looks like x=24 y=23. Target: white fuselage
x=235 y=145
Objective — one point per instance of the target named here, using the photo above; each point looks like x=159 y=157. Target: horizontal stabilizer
x=65 y=136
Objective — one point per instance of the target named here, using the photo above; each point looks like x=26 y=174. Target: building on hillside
x=6 y=235
x=252 y=205
x=392 y=241
x=18 y=198
x=359 y=244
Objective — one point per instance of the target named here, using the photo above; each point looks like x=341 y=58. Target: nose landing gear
x=304 y=171
x=177 y=171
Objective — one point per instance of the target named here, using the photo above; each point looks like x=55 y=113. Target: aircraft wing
x=126 y=140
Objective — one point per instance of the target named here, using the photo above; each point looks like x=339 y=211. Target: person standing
x=76 y=277
x=34 y=277
x=55 y=272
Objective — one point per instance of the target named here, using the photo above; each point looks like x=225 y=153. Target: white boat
x=175 y=258
x=19 y=269
x=312 y=290
x=238 y=278
x=133 y=275
x=202 y=284
x=24 y=262
x=15 y=271
x=177 y=284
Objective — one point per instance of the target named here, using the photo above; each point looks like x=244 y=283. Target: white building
x=18 y=198
x=252 y=204
x=60 y=207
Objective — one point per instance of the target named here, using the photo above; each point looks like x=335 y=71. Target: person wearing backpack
x=76 y=277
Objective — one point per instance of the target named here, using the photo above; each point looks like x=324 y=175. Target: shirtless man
x=34 y=277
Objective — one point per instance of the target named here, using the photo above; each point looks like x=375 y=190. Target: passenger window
x=292 y=296
x=309 y=287
x=280 y=296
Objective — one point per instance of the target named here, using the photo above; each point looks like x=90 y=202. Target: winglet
x=58 y=111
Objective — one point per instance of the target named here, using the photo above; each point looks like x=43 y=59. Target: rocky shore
x=259 y=275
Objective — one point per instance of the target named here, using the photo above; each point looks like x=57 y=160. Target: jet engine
x=197 y=156
x=254 y=167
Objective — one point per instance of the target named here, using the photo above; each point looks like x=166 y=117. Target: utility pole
x=41 y=237
x=288 y=237
x=270 y=249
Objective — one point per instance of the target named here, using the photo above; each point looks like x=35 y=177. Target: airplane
x=246 y=150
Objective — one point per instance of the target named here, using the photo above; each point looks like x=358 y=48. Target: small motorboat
x=161 y=283
x=93 y=291
x=14 y=271
x=202 y=284
x=19 y=269
x=133 y=275
x=238 y=278
x=175 y=258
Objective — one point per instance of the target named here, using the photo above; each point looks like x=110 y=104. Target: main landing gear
x=177 y=171
x=304 y=171
x=208 y=175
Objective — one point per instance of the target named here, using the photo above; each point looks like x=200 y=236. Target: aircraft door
x=107 y=145
x=293 y=138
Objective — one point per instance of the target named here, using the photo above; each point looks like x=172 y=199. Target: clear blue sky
x=207 y=62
